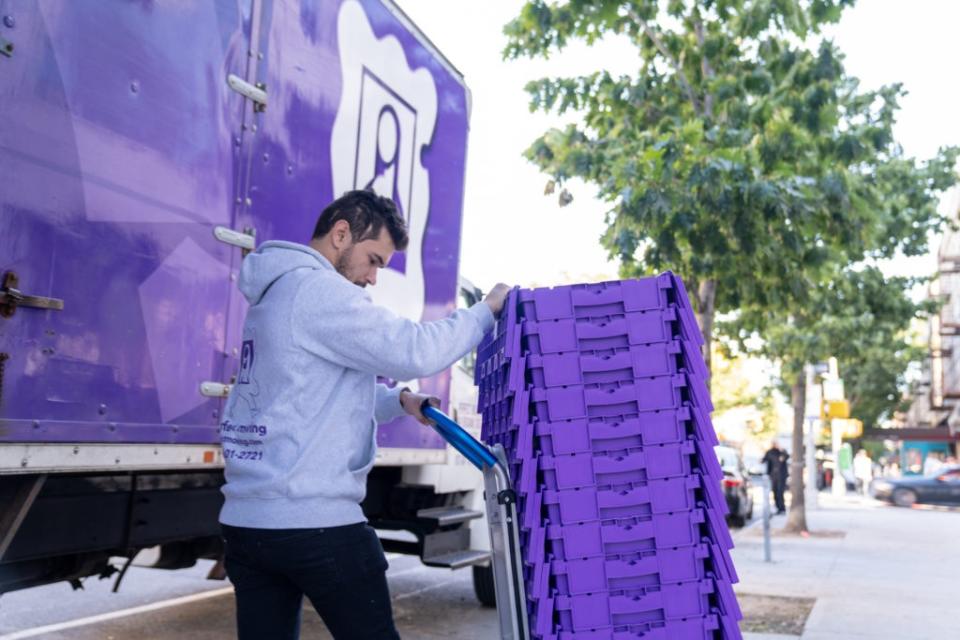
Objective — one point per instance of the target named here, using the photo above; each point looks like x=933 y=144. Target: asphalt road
x=160 y=605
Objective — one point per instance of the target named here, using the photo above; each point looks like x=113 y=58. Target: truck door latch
x=11 y=297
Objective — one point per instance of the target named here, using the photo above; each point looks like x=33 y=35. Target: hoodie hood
x=272 y=260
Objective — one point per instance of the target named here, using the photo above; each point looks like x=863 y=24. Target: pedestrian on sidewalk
x=932 y=463
x=776 y=460
x=863 y=471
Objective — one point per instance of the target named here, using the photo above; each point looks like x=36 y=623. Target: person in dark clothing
x=776 y=461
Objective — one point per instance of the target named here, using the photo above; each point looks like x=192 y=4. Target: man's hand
x=411 y=403
x=496 y=297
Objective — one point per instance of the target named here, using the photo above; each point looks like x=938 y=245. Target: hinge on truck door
x=257 y=93
x=11 y=297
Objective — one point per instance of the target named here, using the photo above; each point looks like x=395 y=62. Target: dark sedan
x=943 y=487
x=736 y=486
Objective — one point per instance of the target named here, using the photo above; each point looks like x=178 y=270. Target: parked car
x=736 y=486
x=943 y=487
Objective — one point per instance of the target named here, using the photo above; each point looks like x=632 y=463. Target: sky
x=513 y=233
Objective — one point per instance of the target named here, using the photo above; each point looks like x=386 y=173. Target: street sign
x=833 y=389
x=849 y=428
x=836 y=409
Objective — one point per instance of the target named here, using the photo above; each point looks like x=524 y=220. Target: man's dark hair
x=367 y=213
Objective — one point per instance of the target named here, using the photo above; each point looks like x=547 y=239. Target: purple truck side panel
x=119 y=153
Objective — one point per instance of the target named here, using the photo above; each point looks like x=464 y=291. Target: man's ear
x=340 y=234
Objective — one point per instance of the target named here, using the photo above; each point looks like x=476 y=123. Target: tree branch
x=661 y=47
x=705 y=68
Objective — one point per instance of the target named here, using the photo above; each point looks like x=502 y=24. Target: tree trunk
x=797 y=518
x=706 y=295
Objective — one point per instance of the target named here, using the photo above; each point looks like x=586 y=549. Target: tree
x=875 y=379
x=860 y=317
x=731 y=389
x=736 y=155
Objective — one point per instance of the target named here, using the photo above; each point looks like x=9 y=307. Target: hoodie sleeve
x=387 y=406
x=337 y=321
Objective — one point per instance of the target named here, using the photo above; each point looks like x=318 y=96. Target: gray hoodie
x=299 y=427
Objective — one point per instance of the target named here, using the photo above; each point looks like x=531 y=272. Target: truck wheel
x=483 y=585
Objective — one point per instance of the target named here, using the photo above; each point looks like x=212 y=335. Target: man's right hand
x=496 y=297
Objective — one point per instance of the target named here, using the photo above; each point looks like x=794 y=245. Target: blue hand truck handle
x=472 y=449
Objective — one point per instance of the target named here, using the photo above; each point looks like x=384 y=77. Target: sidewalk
x=892 y=575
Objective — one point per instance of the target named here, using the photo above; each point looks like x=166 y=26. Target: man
x=932 y=463
x=298 y=431
x=776 y=461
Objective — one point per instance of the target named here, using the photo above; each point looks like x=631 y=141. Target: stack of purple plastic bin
x=598 y=395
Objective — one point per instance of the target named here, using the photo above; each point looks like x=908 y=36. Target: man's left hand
x=411 y=403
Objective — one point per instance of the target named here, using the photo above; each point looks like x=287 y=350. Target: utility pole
x=835 y=409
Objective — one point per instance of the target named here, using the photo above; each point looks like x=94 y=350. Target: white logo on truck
x=387 y=114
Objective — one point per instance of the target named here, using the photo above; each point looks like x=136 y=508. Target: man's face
x=359 y=261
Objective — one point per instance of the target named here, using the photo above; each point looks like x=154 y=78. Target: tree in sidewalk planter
x=736 y=156
x=860 y=317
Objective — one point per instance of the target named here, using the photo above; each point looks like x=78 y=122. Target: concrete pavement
x=876 y=571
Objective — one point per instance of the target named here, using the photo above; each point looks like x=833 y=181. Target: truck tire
x=483 y=585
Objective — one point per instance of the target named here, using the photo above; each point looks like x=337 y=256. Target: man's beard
x=342 y=263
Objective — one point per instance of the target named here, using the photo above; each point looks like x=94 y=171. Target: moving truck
x=145 y=148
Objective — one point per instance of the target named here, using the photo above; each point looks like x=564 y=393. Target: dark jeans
x=778 y=486
x=342 y=570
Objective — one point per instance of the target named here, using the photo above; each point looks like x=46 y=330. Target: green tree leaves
x=736 y=154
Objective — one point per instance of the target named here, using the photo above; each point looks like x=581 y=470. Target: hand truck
x=501 y=505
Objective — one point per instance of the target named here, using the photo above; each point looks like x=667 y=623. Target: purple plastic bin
x=719 y=536
x=702 y=628
x=689 y=328
x=538 y=587
x=618 y=468
x=729 y=629
x=526 y=481
x=541 y=614
x=534 y=543
x=507 y=414
x=693 y=359
x=699 y=394
x=623 y=399
x=599 y=334
x=667 y=602
x=708 y=462
x=586 y=505
x=713 y=493
x=592 y=575
x=623 y=365
x=482 y=355
x=717 y=528
x=703 y=427
x=722 y=563
x=593 y=539
x=594 y=300
x=616 y=433
x=531 y=516
x=727 y=600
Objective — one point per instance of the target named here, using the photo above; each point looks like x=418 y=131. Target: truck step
x=447 y=516
x=458 y=559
